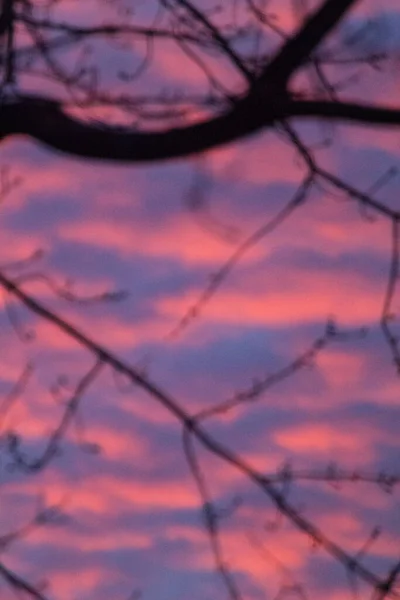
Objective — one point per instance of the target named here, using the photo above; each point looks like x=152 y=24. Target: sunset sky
x=134 y=520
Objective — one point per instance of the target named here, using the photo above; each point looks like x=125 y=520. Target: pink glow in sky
x=134 y=517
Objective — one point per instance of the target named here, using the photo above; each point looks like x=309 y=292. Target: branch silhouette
x=52 y=92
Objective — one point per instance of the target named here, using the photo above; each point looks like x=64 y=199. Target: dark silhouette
x=165 y=125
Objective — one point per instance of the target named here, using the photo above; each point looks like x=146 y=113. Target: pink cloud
x=352 y=446
x=134 y=503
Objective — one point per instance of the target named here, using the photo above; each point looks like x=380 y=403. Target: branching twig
x=52 y=446
x=258 y=479
x=223 y=272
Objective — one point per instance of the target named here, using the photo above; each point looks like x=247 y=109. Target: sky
x=130 y=517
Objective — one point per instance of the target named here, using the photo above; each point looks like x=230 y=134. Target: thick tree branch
x=297 y=50
x=45 y=121
x=346 y=111
x=262 y=106
x=6 y=16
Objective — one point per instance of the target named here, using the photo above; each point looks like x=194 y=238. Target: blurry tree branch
x=152 y=125
x=192 y=427
x=266 y=101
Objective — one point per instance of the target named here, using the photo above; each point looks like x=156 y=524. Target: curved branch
x=218 y=37
x=264 y=104
x=45 y=121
